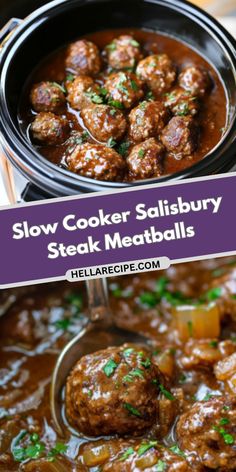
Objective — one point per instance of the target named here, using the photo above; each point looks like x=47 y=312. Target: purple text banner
x=184 y=220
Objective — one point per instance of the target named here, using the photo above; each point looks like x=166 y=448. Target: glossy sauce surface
x=211 y=118
x=41 y=319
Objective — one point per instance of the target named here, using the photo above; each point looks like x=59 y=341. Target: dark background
x=17 y=9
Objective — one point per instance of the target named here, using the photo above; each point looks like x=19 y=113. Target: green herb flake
x=228 y=438
x=134 y=43
x=132 y=410
x=141 y=153
x=146 y=447
x=207 y=397
x=134 y=86
x=149 y=299
x=213 y=294
x=103 y=91
x=161 y=466
x=233 y=338
x=224 y=421
x=225 y=408
x=63 y=324
x=111 y=142
x=213 y=343
x=110 y=368
x=126 y=454
x=150 y=96
x=123 y=148
x=146 y=363
x=128 y=351
x=166 y=393
x=176 y=450
x=75 y=299
x=116 y=104
x=132 y=374
x=59 y=86
x=183 y=109
x=182 y=378
x=70 y=78
x=111 y=47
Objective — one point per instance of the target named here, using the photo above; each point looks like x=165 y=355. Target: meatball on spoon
x=99 y=333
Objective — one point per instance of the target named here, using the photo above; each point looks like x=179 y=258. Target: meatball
x=104 y=122
x=48 y=96
x=83 y=58
x=225 y=287
x=180 y=136
x=123 y=52
x=202 y=353
x=195 y=79
x=207 y=433
x=145 y=159
x=225 y=371
x=181 y=102
x=83 y=92
x=158 y=72
x=124 y=89
x=49 y=129
x=119 y=455
x=147 y=120
x=121 y=380
x=96 y=161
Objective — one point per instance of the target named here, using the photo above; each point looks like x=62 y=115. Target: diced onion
x=147 y=461
x=197 y=322
x=96 y=455
x=165 y=362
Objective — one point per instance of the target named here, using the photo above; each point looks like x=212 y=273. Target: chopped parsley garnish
x=213 y=343
x=161 y=466
x=127 y=454
x=63 y=324
x=176 y=450
x=146 y=447
x=70 y=78
x=183 y=109
x=213 y=294
x=111 y=47
x=123 y=148
x=111 y=142
x=132 y=410
x=182 y=378
x=112 y=112
x=75 y=299
x=218 y=272
x=116 y=104
x=141 y=153
x=132 y=374
x=233 y=338
x=103 y=91
x=228 y=438
x=134 y=86
x=166 y=393
x=208 y=396
x=95 y=98
x=161 y=284
x=110 y=368
x=224 y=421
x=128 y=351
x=134 y=43
x=31 y=451
x=146 y=363
x=59 y=86
x=59 y=448
x=225 y=408
x=150 y=96
x=148 y=298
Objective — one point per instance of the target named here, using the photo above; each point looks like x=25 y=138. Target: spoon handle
x=98 y=303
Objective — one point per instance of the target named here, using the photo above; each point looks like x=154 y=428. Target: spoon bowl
x=99 y=333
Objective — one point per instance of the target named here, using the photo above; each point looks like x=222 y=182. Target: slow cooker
x=26 y=42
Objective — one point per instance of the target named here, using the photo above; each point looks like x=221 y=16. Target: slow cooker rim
x=40 y=165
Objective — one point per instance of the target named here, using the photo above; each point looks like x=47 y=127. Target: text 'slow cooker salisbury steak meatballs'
x=121 y=380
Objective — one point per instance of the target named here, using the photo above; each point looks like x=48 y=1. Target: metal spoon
x=99 y=333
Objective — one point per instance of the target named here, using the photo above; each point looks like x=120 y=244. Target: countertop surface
x=226 y=7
